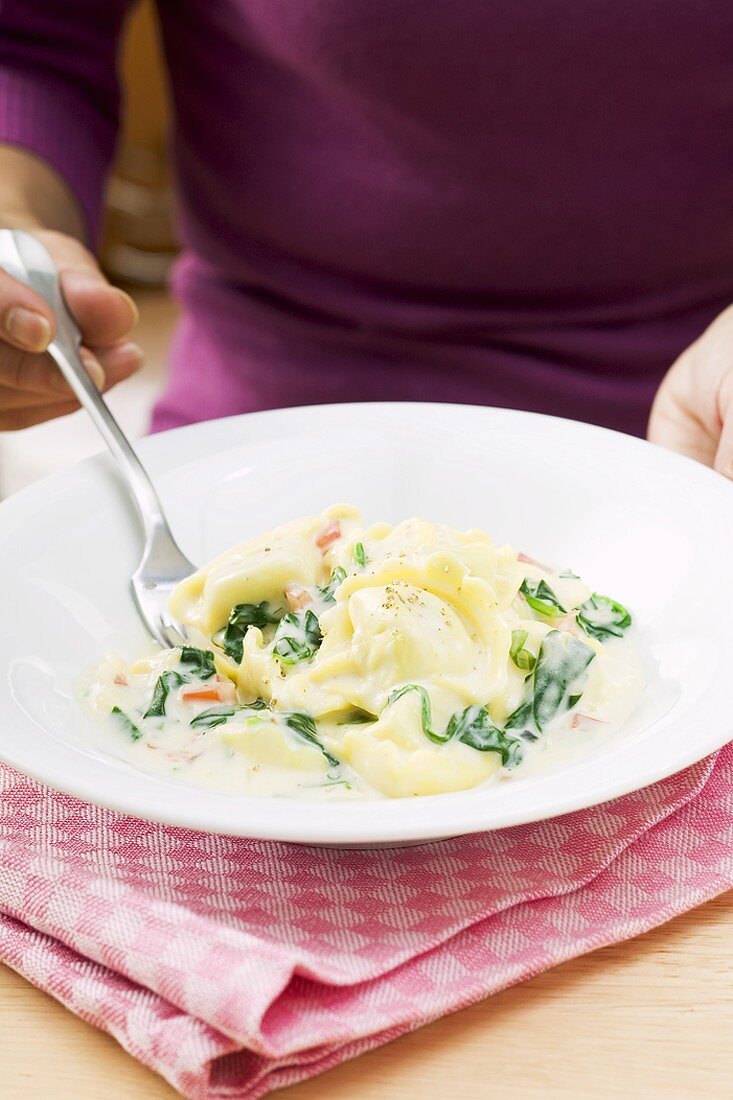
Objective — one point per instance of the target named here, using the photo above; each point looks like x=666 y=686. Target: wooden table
x=648 y=1018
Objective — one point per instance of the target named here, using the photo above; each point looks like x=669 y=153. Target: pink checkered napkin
x=234 y=967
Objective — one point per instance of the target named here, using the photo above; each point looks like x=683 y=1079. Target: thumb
x=724 y=453
x=26 y=320
x=684 y=415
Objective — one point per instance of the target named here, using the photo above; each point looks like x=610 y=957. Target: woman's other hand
x=31 y=387
x=693 y=409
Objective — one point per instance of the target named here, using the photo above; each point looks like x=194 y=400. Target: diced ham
x=183 y=756
x=120 y=680
x=567 y=622
x=330 y=533
x=533 y=561
x=201 y=695
x=297 y=597
x=220 y=691
x=585 y=722
x=227 y=690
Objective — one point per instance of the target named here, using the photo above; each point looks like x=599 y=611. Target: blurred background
x=137 y=251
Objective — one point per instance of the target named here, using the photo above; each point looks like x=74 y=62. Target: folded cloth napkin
x=234 y=967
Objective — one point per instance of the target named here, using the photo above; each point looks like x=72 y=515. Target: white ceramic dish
x=647 y=526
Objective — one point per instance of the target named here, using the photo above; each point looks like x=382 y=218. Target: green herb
x=165 y=683
x=357 y=718
x=328 y=782
x=328 y=594
x=305 y=727
x=360 y=555
x=522 y=657
x=297 y=638
x=127 y=724
x=213 y=717
x=554 y=682
x=522 y=717
x=568 y=575
x=426 y=715
x=242 y=617
x=201 y=662
x=541 y=598
x=217 y=716
x=601 y=617
x=473 y=727
x=562 y=660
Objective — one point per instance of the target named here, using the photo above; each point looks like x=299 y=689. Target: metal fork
x=162 y=564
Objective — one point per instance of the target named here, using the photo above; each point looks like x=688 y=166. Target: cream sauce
x=338 y=620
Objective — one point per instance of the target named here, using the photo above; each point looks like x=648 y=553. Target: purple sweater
x=514 y=203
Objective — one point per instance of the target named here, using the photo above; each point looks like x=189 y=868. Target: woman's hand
x=693 y=409
x=31 y=387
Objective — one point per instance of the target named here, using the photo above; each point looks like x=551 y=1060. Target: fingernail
x=131 y=303
x=130 y=350
x=28 y=328
x=94 y=369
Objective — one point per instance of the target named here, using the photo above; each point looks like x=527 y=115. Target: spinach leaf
x=426 y=714
x=601 y=617
x=127 y=724
x=165 y=683
x=541 y=598
x=522 y=657
x=201 y=662
x=357 y=718
x=298 y=637
x=213 y=717
x=328 y=594
x=217 y=716
x=561 y=662
x=360 y=554
x=242 y=617
x=473 y=727
x=305 y=727
x=522 y=718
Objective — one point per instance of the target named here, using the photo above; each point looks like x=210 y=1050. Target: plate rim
x=158 y=453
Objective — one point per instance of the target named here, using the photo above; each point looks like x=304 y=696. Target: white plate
x=651 y=528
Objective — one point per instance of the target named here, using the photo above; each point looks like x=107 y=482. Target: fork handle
x=25 y=259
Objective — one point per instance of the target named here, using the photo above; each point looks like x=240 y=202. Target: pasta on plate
x=330 y=660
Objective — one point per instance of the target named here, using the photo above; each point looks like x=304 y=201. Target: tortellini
x=385 y=661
